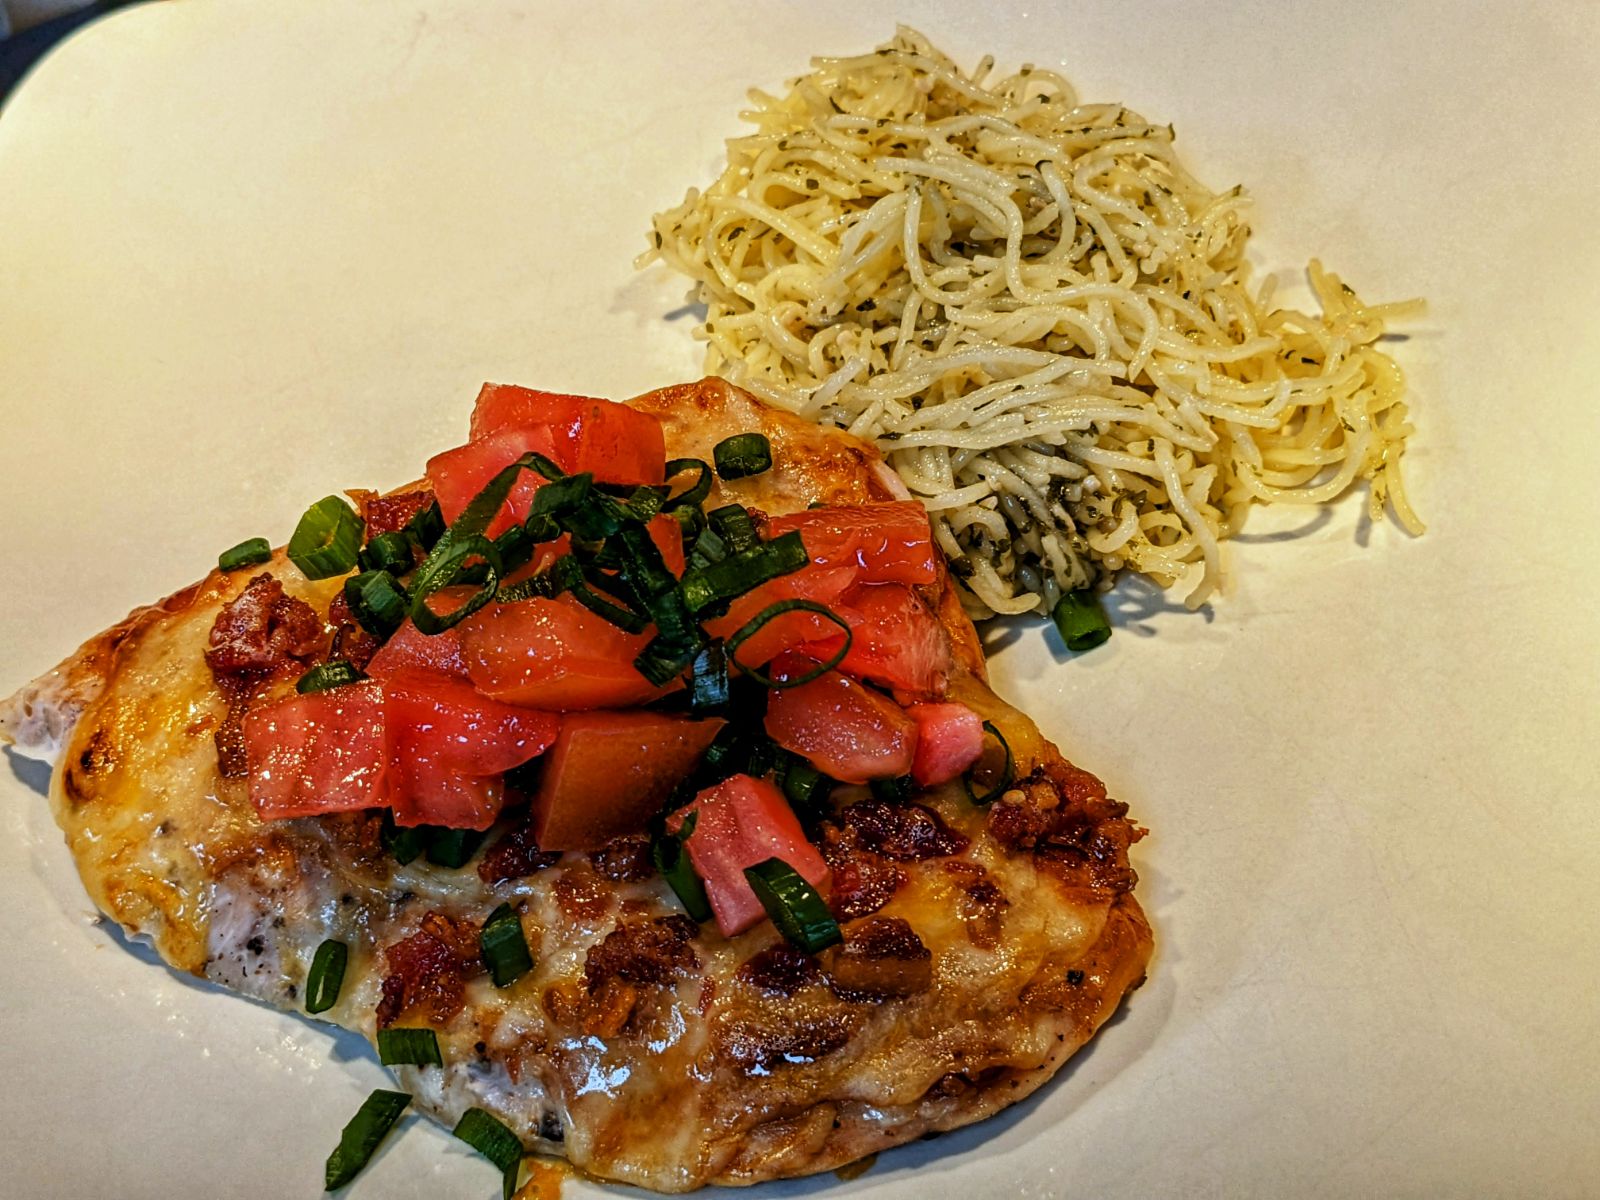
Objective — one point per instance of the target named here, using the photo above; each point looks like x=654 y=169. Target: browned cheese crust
x=983 y=946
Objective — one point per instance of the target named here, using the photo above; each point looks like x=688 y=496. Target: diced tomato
x=895 y=640
x=949 y=740
x=890 y=542
x=841 y=726
x=610 y=772
x=449 y=746
x=744 y=821
x=459 y=475
x=554 y=655
x=317 y=753
x=824 y=585
x=667 y=534
x=409 y=648
x=618 y=444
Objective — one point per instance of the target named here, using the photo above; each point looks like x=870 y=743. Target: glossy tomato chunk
x=318 y=753
x=823 y=585
x=459 y=475
x=608 y=773
x=840 y=725
x=554 y=655
x=889 y=542
x=408 y=648
x=895 y=640
x=949 y=740
x=744 y=821
x=614 y=442
x=449 y=746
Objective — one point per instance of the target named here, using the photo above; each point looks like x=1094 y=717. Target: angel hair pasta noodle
x=1040 y=317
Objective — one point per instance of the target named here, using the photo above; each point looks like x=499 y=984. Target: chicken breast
x=983 y=946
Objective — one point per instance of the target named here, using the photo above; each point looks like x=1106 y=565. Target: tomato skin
x=614 y=442
x=895 y=640
x=318 y=753
x=949 y=740
x=449 y=746
x=554 y=655
x=459 y=475
x=608 y=773
x=841 y=726
x=744 y=821
x=890 y=542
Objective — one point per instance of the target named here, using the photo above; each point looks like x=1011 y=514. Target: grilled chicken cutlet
x=718 y=737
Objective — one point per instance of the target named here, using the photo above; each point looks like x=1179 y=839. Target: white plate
x=249 y=253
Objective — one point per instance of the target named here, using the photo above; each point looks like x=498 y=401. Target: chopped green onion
x=645 y=503
x=408 y=1046
x=336 y=672
x=894 y=791
x=708 y=681
x=737 y=750
x=246 y=554
x=327 y=540
x=1006 y=775
x=562 y=495
x=805 y=787
x=446 y=568
x=742 y=571
x=673 y=862
x=736 y=525
x=387 y=552
x=405 y=844
x=362 y=1136
x=1081 y=620
x=695 y=495
x=709 y=547
x=452 y=848
x=623 y=618
x=378 y=602
x=490 y=1138
x=326 y=976
x=741 y=455
x=504 y=948
x=663 y=659
x=795 y=907
x=427 y=526
x=773 y=611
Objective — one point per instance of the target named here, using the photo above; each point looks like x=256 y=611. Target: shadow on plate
x=30 y=772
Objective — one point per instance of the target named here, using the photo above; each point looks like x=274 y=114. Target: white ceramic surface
x=250 y=252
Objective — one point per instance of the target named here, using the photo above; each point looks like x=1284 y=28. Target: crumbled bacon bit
x=514 y=856
x=881 y=957
x=350 y=642
x=862 y=883
x=429 y=970
x=643 y=952
x=780 y=970
x=908 y=832
x=262 y=632
x=1063 y=816
x=624 y=860
x=389 y=514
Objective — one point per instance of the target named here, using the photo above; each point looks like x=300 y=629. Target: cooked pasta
x=1039 y=316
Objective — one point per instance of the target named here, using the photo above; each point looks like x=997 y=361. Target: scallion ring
x=1081 y=620
x=504 y=948
x=409 y=1047
x=327 y=540
x=362 y=1136
x=742 y=455
x=773 y=611
x=326 y=976
x=336 y=672
x=490 y=1138
x=444 y=571
x=452 y=848
x=1007 y=771
x=695 y=495
x=673 y=862
x=247 y=553
x=387 y=552
x=796 y=908
x=378 y=602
